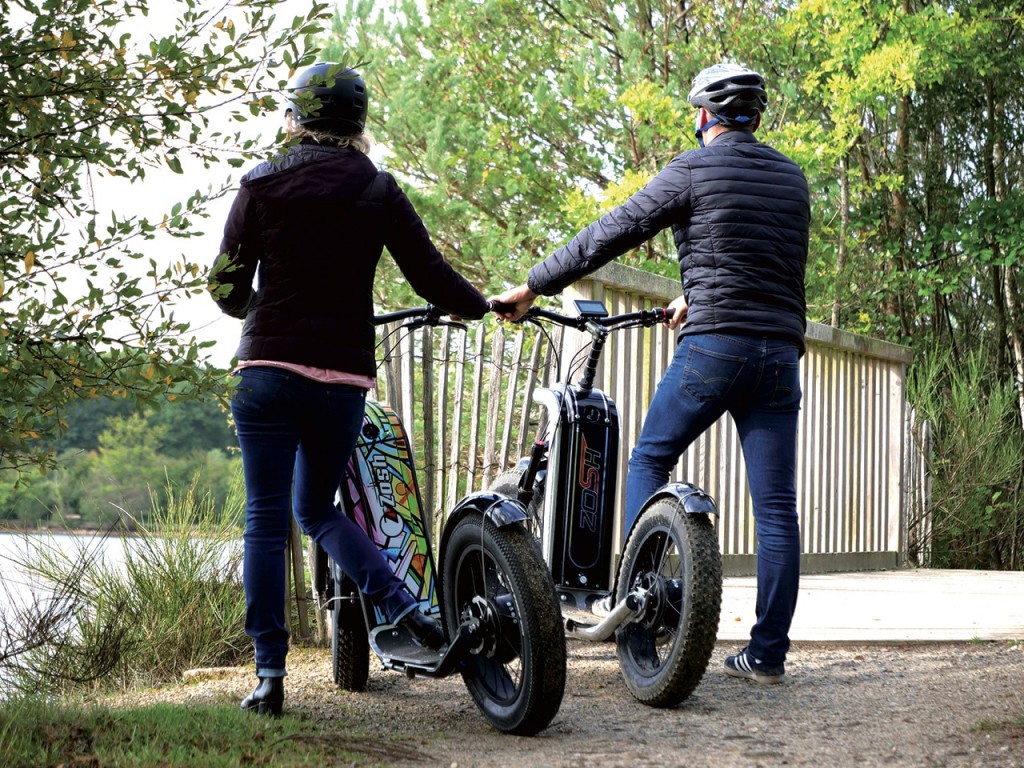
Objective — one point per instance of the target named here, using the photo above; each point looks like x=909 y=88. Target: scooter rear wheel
x=507 y=484
x=498 y=578
x=350 y=647
x=664 y=652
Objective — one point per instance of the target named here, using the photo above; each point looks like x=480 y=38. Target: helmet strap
x=700 y=129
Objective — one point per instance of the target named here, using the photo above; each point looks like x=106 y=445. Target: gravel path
x=927 y=705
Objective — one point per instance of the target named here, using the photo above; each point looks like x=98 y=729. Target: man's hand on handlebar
x=513 y=303
x=677 y=310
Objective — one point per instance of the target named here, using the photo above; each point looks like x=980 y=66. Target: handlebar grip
x=500 y=306
x=426 y=314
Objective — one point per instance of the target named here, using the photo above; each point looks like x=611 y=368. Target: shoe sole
x=755 y=677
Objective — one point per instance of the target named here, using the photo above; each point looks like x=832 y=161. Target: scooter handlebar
x=417 y=317
x=643 y=317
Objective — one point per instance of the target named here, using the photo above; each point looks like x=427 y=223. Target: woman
x=312 y=224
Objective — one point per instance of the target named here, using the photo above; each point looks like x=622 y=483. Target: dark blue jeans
x=296 y=436
x=757 y=381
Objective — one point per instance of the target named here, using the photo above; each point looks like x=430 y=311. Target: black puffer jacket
x=739 y=211
x=314 y=223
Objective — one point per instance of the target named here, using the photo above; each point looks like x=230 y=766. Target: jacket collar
x=734 y=137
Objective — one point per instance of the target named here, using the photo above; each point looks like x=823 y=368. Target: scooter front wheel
x=673 y=557
x=496 y=579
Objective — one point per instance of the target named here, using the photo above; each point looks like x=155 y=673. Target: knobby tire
x=350 y=645
x=663 y=654
x=519 y=686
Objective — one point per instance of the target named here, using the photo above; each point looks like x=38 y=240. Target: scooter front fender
x=500 y=510
x=692 y=499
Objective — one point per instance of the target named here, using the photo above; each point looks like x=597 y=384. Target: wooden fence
x=466 y=397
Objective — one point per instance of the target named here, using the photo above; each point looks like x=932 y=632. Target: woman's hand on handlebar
x=513 y=303
x=677 y=310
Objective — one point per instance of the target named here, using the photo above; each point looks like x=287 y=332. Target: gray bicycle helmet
x=341 y=93
x=733 y=94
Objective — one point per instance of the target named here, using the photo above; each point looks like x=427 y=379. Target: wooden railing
x=466 y=398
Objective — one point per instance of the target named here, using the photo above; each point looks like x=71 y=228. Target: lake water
x=16 y=549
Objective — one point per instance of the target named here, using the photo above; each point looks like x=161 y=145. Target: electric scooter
x=489 y=586
x=668 y=586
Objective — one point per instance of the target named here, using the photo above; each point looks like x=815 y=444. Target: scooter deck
x=381 y=495
x=397 y=650
x=392 y=642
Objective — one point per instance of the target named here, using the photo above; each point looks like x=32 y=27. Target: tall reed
x=174 y=602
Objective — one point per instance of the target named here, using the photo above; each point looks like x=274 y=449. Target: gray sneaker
x=746 y=666
x=602 y=607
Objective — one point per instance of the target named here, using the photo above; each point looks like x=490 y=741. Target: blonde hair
x=361 y=142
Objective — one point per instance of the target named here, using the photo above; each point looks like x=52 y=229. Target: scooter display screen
x=590 y=308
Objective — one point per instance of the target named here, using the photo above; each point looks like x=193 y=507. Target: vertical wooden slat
x=895 y=406
x=817 y=445
x=479 y=366
x=454 y=450
x=844 y=522
x=868 y=455
x=392 y=364
x=406 y=385
x=441 y=429
x=493 y=407
x=629 y=400
x=535 y=372
x=428 y=449
x=803 y=462
x=296 y=563
x=511 y=395
x=828 y=455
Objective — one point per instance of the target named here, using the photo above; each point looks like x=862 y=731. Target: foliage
x=976 y=461
x=516 y=123
x=142 y=449
x=174 y=603
x=94 y=107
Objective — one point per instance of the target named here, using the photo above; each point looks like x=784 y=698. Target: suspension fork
x=537 y=462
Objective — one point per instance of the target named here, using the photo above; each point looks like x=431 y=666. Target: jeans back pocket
x=710 y=374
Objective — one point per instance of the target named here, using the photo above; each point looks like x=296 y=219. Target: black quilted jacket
x=313 y=224
x=739 y=211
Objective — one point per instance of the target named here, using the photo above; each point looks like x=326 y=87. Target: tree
x=516 y=123
x=91 y=103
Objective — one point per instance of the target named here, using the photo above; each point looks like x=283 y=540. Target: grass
x=38 y=734
x=174 y=603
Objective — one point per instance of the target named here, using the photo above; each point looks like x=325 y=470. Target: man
x=740 y=212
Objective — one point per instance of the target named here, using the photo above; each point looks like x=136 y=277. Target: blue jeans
x=757 y=381
x=297 y=436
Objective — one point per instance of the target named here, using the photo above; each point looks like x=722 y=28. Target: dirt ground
x=928 y=705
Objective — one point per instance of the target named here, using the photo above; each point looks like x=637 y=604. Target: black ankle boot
x=424 y=629
x=267 y=698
